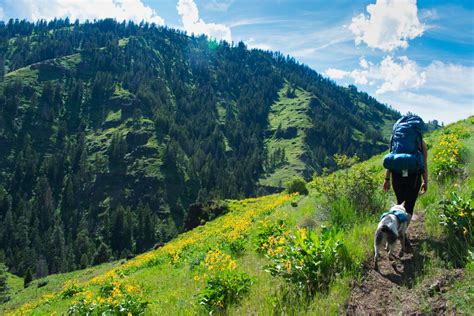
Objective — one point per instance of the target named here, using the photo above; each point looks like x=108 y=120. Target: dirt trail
x=392 y=291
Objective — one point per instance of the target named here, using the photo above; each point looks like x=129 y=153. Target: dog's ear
x=403 y=204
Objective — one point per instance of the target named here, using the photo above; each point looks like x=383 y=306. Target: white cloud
x=189 y=13
x=252 y=43
x=218 y=5
x=255 y=21
x=303 y=52
x=429 y=14
x=399 y=76
x=430 y=106
x=336 y=73
x=453 y=79
x=133 y=10
x=390 y=24
x=391 y=75
x=360 y=77
x=443 y=91
x=364 y=63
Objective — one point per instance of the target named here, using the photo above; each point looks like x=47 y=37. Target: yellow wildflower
x=116 y=292
x=302 y=232
x=232 y=265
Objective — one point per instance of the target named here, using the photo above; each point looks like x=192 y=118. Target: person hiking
x=406 y=163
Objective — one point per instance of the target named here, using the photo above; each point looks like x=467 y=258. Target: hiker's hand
x=386 y=185
x=424 y=187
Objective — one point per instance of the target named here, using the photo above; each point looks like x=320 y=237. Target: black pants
x=406 y=189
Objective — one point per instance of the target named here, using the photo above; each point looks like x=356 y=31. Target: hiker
x=407 y=161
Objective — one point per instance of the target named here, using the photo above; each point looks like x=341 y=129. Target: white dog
x=392 y=226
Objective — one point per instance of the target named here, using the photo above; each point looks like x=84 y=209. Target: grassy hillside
x=288 y=121
x=260 y=234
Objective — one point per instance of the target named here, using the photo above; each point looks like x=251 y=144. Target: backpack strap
x=420 y=141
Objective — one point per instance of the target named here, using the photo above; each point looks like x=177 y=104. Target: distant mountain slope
x=109 y=131
x=285 y=144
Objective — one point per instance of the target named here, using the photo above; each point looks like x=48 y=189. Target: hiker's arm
x=424 y=185
x=386 y=182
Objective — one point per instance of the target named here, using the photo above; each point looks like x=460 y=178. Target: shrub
x=309 y=222
x=71 y=288
x=448 y=153
x=196 y=259
x=457 y=217
x=219 y=261
x=297 y=185
x=200 y=213
x=237 y=246
x=224 y=285
x=360 y=184
x=267 y=232
x=224 y=289
x=311 y=262
x=116 y=297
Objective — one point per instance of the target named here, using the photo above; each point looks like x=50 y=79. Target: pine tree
x=103 y=254
x=43 y=204
x=41 y=267
x=83 y=247
x=57 y=249
x=68 y=204
x=2 y=67
x=28 y=278
x=3 y=281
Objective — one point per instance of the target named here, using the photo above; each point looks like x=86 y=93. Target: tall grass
x=342 y=213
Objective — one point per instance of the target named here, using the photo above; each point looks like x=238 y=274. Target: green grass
x=462 y=294
x=70 y=62
x=114 y=116
x=26 y=75
x=288 y=113
x=123 y=41
x=15 y=283
x=20 y=295
x=121 y=92
x=146 y=158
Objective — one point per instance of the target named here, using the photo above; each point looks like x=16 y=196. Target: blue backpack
x=405 y=154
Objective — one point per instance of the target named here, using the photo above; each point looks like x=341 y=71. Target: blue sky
x=414 y=56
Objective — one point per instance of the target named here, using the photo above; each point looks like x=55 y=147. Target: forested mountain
x=109 y=131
